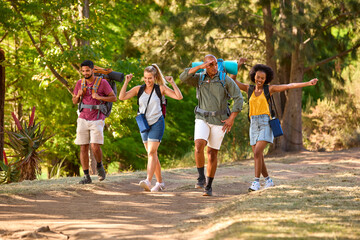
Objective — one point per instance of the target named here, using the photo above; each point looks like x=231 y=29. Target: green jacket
x=212 y=95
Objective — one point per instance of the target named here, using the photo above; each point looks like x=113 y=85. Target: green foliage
x=25 y=143
x=57 y=169
x=128 y=35
x=10 y=173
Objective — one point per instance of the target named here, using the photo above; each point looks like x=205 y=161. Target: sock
x=201 y=172
x=257 y=179
x=98 y=164
x=86 y=172
x=209 y=182
x=267 y=178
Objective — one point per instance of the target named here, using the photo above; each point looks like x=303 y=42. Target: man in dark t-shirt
x=90 y=123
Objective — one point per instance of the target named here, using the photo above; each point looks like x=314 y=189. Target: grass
x=323 y=207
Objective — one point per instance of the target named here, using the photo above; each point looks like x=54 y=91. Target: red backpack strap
x=96 y=84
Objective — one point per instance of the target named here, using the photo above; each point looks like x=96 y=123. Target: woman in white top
x=154 y=117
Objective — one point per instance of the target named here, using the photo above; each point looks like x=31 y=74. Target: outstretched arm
x=176 y=93
x=283 y=87
x=242 y=86
x=128 y=94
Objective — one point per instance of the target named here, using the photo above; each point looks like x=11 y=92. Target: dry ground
x=118 y=209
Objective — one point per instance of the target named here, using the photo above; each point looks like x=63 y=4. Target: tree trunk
x=2 y=103
x=291 y=122
x=84 y=12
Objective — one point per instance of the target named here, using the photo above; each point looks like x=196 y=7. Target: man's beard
x=88 y=77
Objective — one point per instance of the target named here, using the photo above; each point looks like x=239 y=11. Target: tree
x=288 y=35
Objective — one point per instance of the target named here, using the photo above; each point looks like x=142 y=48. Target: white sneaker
x=158 y=187
x=255 y=186
x=145 y=184
x=269 y=183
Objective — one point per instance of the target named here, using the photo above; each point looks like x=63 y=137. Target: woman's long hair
x=156 y=72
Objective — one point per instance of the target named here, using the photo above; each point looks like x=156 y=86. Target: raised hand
x=313 y=81
x=241 y=61
x=170 y=79
x=128 y=77
x=208 y=63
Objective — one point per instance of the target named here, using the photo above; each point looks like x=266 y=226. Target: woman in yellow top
x=259 y=113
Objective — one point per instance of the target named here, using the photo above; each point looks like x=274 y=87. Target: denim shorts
x=260 y=129
x=155 y=133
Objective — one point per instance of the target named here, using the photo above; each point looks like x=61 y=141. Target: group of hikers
x=213 y=118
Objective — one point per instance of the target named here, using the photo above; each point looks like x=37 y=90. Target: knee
x=152 y=151
x=199 y=148
x=84 y=148
x=95 y=147
x=258 y=155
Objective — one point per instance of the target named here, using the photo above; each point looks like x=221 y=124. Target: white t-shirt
x=153 y=112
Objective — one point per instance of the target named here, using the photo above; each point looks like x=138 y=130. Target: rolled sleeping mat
x=230 y=66
x=116 y=76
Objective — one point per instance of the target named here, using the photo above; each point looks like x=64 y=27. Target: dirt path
x=118 y=209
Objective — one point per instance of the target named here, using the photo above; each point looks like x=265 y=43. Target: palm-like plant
x=25 y=143
x=10 y=172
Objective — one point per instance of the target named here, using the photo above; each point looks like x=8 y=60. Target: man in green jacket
x=213 y=117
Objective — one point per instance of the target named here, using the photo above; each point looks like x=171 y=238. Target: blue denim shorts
x=260 y=129
x=155 y=133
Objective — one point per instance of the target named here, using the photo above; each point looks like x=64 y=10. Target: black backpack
x=163 y=100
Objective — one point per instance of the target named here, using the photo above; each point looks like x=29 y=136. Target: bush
x=332 y=125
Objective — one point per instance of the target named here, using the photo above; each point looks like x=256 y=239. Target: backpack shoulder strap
x=250 y=91
x=267 y=92
x=140 y=92
x=96 y=84
x=201 y=79
x=158 y=91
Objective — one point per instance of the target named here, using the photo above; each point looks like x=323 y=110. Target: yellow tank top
x=258 y=105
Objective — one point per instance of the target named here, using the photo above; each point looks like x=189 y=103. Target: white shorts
x=213 y=134
x=89 y=132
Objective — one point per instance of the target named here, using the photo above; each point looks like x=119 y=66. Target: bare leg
x=199 y=152
x=152 y=148
x=212 y=162
x=96 y=148
x=264 y=171
x=84 y=156
x=258 y=150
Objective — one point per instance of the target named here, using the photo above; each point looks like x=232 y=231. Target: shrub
x=332 y=125
x=25 y=143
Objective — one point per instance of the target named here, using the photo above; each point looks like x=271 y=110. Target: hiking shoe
x=101 y=173
x=201 y=183
x=269 y=183
x=158 y=187
x=145 y=184
x=86 y=180
x=208 y=191
x=255 y=186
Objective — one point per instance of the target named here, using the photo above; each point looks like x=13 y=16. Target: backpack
x=163 y=100
x=222 y=76
x=267 y=96
x=104 y=107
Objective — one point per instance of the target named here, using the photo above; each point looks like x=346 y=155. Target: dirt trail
x=118 y=209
